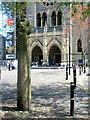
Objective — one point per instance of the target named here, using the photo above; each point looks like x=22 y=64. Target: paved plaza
x=50 y=94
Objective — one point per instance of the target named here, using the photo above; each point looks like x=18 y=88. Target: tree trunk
x=24 y=80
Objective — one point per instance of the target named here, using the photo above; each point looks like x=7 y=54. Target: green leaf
x=72 y=14
x=81 y=18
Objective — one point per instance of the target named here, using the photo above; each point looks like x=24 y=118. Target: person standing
x=9 y=66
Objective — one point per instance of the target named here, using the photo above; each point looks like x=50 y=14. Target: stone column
x=30 y=58
x=30 y=52
x=64 y=55
x=45 y=57
x=56 y=19
x=64 y=45
x=41 y=22
x=50 y=21
x=48 y=18
x=35 y=13
x=45 y=46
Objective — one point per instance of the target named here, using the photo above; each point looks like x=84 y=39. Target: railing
x=49 y=29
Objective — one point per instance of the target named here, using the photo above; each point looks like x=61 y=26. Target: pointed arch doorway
x=54 y=55
x=37 y=55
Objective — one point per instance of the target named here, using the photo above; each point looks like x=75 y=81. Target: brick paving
x=50 y=95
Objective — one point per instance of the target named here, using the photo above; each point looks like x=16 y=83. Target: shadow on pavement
x=48 y=101
x=9 y=108
x=9 y=97
x=88 y=74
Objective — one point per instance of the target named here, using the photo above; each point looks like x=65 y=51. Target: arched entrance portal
x=37 y=55
x=54 y=55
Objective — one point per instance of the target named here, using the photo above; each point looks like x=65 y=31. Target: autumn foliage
x=79 y=16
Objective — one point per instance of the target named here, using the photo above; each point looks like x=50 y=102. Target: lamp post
x=82 y=60
x=84 y=63
x=70 y=38
x=69 y=52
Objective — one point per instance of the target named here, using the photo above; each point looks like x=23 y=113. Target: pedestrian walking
x=74 y=65
x=12 y=65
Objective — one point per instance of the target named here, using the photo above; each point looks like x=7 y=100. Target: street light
x=69 y=52
x=70 y=37
x=84 y=63
x=82 y=60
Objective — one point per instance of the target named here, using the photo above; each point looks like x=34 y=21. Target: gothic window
x=53 y=18
x=44 y=18
x=38 y=20
x=79 y=46
x=59 y=18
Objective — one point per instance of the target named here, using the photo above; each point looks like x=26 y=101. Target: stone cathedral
x=49 y=41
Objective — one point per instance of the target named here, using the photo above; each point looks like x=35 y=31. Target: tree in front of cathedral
x=23 y=30
x=24 y=78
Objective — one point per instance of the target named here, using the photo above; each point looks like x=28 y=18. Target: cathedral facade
x=49 y=41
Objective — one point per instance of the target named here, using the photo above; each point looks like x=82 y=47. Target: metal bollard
x=66 y=72
x=74 y=76
x=72 y=99
x=84 y=69
x=80 y=70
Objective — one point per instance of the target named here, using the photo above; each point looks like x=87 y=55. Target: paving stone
x=50 y=95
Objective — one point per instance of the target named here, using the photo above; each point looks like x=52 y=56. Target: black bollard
x=72 y=99
x=84 y=69
x=74 y=76
x=66 y=72
x=80 y=70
